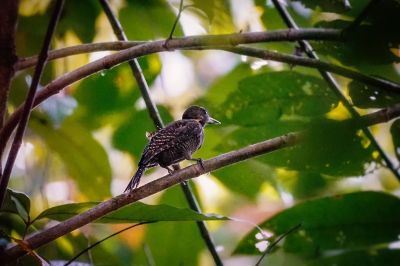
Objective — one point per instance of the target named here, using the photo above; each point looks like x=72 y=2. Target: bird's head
x=200 y=114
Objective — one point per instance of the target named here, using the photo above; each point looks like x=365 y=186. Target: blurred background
x=84 y=143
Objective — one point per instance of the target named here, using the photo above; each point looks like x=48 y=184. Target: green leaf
x=84 y=158
x=329 y=147
x=345 y=222
x=222 y=87
x=80 y=17
x=367 y=257
x=130 y=136
x=364 y=96
x=136 y=212
x=285 y=95
x=30 y=29
x=174 y=243
x=395 y=131
x=246 y=177
x=18 y=203
x=144 y=20
x=271 y=104
x=218 y=14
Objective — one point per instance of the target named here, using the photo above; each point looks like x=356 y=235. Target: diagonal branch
x=50 y=234
x=29 y=100
x=155 y=116
x=47 y=235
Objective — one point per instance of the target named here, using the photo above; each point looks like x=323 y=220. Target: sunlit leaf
x=18 y=203
x=136 y=212
x=345 y=222
x=85 y=159
x=218 y=15
x=80 y=17
x=144 y=20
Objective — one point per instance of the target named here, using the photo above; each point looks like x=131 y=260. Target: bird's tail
x=135 y=179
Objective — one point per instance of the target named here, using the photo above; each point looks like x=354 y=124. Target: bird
x=174 y=143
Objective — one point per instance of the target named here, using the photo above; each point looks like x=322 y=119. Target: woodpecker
x=174 y=143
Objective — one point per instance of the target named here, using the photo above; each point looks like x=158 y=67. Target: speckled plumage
x=174 y=143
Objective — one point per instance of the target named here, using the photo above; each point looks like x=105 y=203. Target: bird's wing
x=172 y=135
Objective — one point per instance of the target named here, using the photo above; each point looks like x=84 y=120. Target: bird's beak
x=212 y=121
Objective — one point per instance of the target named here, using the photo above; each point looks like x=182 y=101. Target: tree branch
x=47 y=235
x=155 y=116
x=199 y=40
x=189 y=43
x=150 y=188
x=29 y=100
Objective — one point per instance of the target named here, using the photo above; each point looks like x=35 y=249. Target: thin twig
x=279 y=239
x=335 y=86
x=133 y=63
x=102 y=240
x=176 y=21
x=49 y=234
x=29 y=100
x=155 y=116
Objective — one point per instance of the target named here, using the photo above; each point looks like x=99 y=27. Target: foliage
x=82 y=145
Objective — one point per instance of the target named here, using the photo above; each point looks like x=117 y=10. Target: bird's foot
x=199 y=162
x=170 y=171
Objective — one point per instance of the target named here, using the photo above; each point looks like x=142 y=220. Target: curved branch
x=189 y=43
x=27 y=62
x=231 y=39
x=47 y=235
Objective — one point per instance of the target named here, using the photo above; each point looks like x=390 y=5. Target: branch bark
x=8 y=58
x=158 y=123
x=199 y=40
x=47 y=235
x=150 y=188
x=26 y=111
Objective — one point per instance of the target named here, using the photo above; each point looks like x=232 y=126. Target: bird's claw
x=200 y=162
